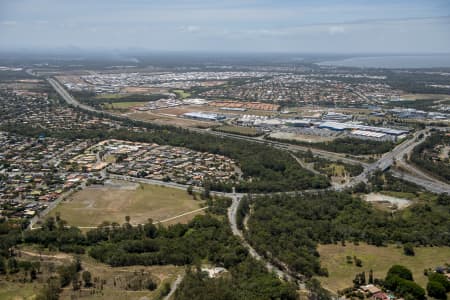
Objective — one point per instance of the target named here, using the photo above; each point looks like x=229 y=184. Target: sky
x=300 y=26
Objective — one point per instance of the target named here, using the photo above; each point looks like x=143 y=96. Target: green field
x=122 y=105
x=379 y=259
x=248 y=131
x=93 y=205
x=18 y=291
x=110 y=96
x=182 y=94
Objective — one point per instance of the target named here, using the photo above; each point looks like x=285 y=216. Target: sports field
x=94 y=205
x=379 y=259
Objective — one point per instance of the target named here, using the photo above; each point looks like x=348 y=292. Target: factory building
x=370 y=135
x=333 y=126
x=334 y=116
x=204 y=116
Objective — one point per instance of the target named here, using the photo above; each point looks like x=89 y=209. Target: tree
x=371 y=276
x=436 y=289
x=50 y=291
x=437 y=277
x=401 y=272
x=2 y=265
x=127 y=219
x=190 y=189
x=87 y=278
x=408 y=249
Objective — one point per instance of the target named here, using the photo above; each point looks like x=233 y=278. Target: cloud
x=8 y=23
x=190 y=28
x=336 y=29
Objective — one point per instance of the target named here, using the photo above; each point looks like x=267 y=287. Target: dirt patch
x=399 y=203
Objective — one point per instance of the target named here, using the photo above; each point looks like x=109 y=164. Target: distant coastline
x=393 y=61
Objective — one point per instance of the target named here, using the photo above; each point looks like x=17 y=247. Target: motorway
x=383 y=163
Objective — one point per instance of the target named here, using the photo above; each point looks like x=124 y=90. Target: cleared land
x=379 y=259
x=238 y=130
x=182 y=94
x=169 y=120
x=93 y=205
x=301 y=137
x=425 y=97
x=115 y=280
x=18 y=291
x=122 y=105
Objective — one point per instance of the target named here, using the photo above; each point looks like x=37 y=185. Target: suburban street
x=384 y=163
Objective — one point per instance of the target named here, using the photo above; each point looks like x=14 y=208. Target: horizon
x=237 y=26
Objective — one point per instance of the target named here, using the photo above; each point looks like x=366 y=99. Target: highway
x=383 y=163
x=284 y=146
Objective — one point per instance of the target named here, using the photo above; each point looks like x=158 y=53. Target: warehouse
x=378 y=136
x=204 y=116
x=333 y=126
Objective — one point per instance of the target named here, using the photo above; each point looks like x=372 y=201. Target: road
x=330 y=155
x=174 y=287
x=232 y=211
x=383 y=163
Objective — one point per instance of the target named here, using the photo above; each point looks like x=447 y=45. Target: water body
x=393 y=62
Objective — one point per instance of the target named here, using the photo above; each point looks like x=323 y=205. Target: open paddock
x=378 y=259
x=301 y=137
x=116 y=281
x=167 y=119
x=94 y=205
x=143 y=90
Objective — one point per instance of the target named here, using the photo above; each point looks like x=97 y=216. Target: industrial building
x=204 y=116
x=363 y=134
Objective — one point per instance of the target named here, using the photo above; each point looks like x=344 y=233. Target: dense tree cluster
x=325 y=166
x=205 y=238
x=438 y=285
x=380 y=181
x=400 y=280
x=248 y=280
x=427 y=155
x=348 y=145
x=288 y=228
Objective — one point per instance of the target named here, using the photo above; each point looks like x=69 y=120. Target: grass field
x=18 y=291
x=379 y=259
x=122 y=105
x=115 y=279
x=93 y=205
x=182 y=94
x=238 y=130
x=110 y=96
x=425 y=97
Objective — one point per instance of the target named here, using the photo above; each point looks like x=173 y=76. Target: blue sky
x=331 y=26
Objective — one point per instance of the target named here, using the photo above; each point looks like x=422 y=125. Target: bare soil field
x=168 y=120
x=96 y=204
x=301 y=137
x=143 y=90
x=390 y=201
x=425 y=97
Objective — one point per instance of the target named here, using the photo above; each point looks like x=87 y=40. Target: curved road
x=383 y=163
